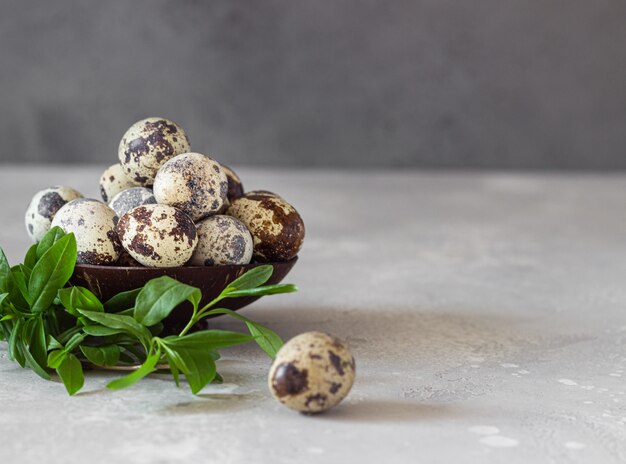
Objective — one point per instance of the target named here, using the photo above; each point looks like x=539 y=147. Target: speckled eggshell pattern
x=158 y=235
x=93 y=225
x=131 y=198
x=43 y=207
x=126 y=260
x=235 y=187
x=113 y=181
x=312 y=372
x=193 y=183
x=276 y=227
x=222 y=240
x=148 y=144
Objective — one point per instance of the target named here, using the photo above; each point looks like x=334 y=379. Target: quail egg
x=158 y=235
x=235 y=187
x=276 y=227
x=113 y=181
x=126 y=260
x=193 y=183
x=93 y=225
x=131 y=198
x=44 y=206
x=222 y=240
x=147 y=145
x=312 y=372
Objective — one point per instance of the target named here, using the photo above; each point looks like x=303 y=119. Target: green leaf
x=37 y=345
x=265 y=290
x=106 y=355
x=51 y=237
x=117 y=321
x=52 y=272
x=122 y=301
x=208 y=339
x=20 y=291
x=16 y=343
x=74 y=298
x=146 y=368
x=31 y=257
x=100 y=331
x=197 y=365
x=160 y=296
x=73 y=342
x=251 y=279
x=55 y=358
x=268 y=340
x=6 y=278
x=71 y=372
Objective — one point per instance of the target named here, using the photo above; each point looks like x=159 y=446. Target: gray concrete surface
x=485 y=312
x=486 y=83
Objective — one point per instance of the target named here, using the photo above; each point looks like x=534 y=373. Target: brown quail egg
x=222 y=240
x=44 y=206
x=113 y=181
x=131 y=198
x=276 y=227
x=147 y=145
x=193 y=183
x=312 y=372
x=235 y=187
x=158 y=235
x=93 y=225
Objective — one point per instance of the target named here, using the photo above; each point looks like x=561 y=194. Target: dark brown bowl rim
x=152 y=269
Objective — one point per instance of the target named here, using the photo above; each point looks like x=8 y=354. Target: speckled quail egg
x=263 y=193
x=222 y=240
x=193 y=183
x=126 y=260
x=93 y=225
x=44 y=206
x=158 y=235
x=312 y=372
x=276 y=227
x=131 y=198
x=148 y=144
x=113 y=181
x=235 y=187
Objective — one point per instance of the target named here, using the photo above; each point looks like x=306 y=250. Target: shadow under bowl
x=107 y=281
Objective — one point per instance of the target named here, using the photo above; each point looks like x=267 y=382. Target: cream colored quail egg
x=113 y=181
x=148 y=144
x=193 y=183
x=222 y=240
x=276 y=227
x=44 y=206
x=131 y=198
x=93 y=225
x=158 y=235
x=312 y=372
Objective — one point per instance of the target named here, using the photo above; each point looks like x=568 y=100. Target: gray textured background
x=429 y=83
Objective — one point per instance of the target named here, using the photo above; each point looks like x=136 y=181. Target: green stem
x=199 y=314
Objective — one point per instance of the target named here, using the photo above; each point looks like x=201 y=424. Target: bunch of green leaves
x=52 y=326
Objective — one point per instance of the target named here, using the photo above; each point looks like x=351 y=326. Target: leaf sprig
x=50 y=325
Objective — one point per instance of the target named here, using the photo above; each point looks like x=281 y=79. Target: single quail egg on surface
x=312 y=372
x=148 y=144
x=131 y=198
x=276 y=227
x=113 y=181
x=44 y=206
x=222 y=240
x=158 y=235
x=93 y=225
x=193 y=183
x=235 y=187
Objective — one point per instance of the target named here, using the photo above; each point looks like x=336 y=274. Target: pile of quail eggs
x=165 y=206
